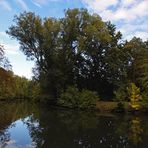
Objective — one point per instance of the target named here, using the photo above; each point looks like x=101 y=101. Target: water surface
x=26 y=125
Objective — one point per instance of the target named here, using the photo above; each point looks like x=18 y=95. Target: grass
x=108 y=106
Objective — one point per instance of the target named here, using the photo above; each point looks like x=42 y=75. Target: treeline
x=13 y=86
x=83 y=52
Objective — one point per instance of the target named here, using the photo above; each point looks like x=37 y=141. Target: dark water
x=25 y=125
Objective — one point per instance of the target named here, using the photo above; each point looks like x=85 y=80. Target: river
x=26 y=125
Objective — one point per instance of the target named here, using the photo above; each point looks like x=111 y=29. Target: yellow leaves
x=135 y=106
x=135 y=131
x=134 y=96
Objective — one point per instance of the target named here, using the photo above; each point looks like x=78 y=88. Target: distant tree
x=6 y=80
x=138 y=65
x=6 y=84
x=4 y=62
x=21 y=87
x=12 y=86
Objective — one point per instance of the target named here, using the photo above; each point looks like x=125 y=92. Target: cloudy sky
x=129 y=16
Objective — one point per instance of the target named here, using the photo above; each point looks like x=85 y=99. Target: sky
x=129 y=16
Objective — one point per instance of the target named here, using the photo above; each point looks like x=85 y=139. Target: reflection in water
x=27 y=125
x=135 y=130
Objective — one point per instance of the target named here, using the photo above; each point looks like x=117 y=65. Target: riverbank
x=106 y=107
x=101 y=106
x=109 y=106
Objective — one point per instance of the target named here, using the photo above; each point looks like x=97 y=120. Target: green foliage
x=26 y=89
x=6 y=76
x=21 y=87
x=121 y=93
x=74 y=99
x=34 y=91
x=15 y=87
x=6 y=84
x=70 y=98
x=79 y=49
x=88 y=99
x=134 y=96
x=138 y=61
x=145 y=99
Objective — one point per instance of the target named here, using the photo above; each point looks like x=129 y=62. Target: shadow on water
x=25 y=125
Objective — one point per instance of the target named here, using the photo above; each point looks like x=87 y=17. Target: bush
x=75 y=99
x=70 y=97
x=134 y=96
x=87 y=99
x=121 y=96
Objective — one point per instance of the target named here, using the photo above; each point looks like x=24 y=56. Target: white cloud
x=100 y=5
x=20 y=66
x=143 y=35
x=43 y=2
x=127 y=3
x=5 y=5
x=141 y=9
x=37 y=4
x=133 y=27
x=11 y=49
x=10 y=142
x=3 y=34
x=124 y=9
x=22 y=4
x=129 y=15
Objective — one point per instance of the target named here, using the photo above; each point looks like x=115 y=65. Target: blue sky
x=129 y=16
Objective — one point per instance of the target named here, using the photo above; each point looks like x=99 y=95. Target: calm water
x=24 y=125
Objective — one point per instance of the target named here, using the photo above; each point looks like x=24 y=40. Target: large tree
x=78 y=49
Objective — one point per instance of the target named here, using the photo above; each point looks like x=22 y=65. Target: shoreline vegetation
x=102 y=107
x=80 y=61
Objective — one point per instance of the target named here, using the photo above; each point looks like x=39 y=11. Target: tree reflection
x=59 y=128
x=4 y=137
x=135 y=131
x=131 y=128
x=62 y=129
x=9 y=113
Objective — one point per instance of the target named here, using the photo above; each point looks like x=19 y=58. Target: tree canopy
x=80 y=50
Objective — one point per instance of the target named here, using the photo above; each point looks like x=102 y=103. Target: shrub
x=120 y=94
x=134 y=96
x=121 y=97
x=70 y=97
x=87 y=99
x=75 y=99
